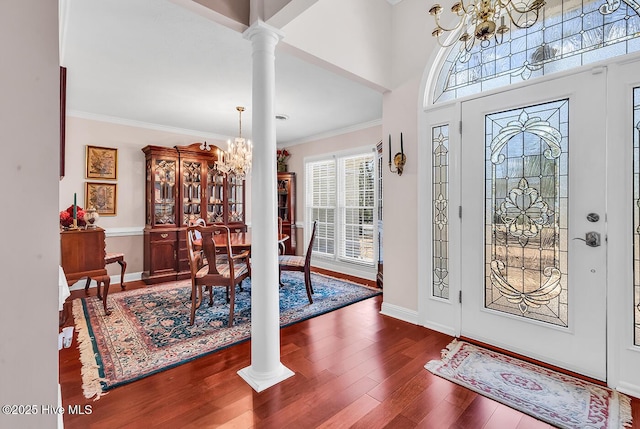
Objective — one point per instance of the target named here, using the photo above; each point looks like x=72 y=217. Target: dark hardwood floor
x=354 y=368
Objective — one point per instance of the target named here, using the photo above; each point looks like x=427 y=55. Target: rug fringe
x=445 y=353
x=624 y=414
x=91 y=380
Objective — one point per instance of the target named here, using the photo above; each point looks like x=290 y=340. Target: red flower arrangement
x=282 y=155
x=66 y=217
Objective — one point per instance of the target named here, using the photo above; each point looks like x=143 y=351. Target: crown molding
x=147 y=125
x=333 y=133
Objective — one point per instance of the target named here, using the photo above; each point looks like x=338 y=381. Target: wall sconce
x=399 y=160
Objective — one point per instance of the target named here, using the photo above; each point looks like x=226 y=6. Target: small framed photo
x=102 y=163
x=102 y=197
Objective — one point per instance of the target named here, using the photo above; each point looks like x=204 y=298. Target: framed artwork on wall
x=102 y=197
x=102 y=163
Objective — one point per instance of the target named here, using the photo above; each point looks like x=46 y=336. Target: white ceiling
x=154 y=62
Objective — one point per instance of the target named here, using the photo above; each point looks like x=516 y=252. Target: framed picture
x=102 y=197
x=102 y=163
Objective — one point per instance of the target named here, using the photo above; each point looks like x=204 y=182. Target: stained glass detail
x=526 y=202
x=440 y=200
x=636 y=215
x=569 y=34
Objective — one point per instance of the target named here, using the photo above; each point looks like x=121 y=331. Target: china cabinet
x=287 y=209
x=184 y=184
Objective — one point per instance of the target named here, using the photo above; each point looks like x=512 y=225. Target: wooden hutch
x=183 y=183
x=287 y=209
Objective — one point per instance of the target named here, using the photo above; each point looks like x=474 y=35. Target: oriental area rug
x=148 y=330
x=555 y=398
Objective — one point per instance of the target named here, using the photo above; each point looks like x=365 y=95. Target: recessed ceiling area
x=154 y=62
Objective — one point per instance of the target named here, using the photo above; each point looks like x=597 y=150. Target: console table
x=82 y=254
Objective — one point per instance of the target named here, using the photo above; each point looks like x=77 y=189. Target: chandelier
x=236 y=160
x=483 y=19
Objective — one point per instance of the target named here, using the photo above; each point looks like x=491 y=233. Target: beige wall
x=365 y=137
x=124 y=231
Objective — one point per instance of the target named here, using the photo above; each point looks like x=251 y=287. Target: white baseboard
x=79 y=285
x=628 y=389
x=398 y=312
x=447 y=330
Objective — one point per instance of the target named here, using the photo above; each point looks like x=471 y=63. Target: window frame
x=339 y=205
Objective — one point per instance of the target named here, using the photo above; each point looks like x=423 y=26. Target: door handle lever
x=592 y=239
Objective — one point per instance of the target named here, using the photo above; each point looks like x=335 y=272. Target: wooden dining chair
x=210 y=268
x=281 y=247
x=300 y=263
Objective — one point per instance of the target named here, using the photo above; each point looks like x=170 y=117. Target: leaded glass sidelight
x=526 y=202
x=440 y=154
x=636 y=215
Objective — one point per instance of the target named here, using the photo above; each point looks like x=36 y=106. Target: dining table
x=239 y=240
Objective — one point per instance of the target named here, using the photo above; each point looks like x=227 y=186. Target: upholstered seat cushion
x=291 y=260
x=223 y=268
x=113 y=257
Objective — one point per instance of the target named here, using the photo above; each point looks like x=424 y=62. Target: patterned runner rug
x=148 y=330
x=555 y=398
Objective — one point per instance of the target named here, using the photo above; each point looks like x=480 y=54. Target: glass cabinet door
x=163 y=179
x=236 y=199
x=191 y=190
x=283 y=199
x=215 y=195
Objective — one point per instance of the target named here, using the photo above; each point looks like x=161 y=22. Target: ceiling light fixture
x=236 y=160
x=483 y=19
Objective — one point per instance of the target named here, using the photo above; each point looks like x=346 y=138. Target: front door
x=533 y=225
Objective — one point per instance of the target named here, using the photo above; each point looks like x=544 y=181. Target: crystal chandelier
x=483 y=19
x=236 y=160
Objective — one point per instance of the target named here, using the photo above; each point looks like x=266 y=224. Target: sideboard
x=82 y=255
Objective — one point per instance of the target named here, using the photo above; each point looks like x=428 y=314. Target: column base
x=260 y=382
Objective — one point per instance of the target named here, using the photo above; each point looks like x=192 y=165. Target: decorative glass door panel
x=164 y=181
x=236 y=199
x=526 y=222
x=215 y=195
x=283 y=199
x=440 y=156
x=191 y=190
x=533 y=173
x=636 y=216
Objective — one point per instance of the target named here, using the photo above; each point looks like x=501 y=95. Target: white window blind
x=341 y=196
x=321 y=204
x=357 y=206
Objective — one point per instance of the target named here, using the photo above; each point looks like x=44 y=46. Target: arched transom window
x=569 y=34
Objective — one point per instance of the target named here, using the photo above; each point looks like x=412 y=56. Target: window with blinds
x=321 y=204
x=357 y=208
x=341 y=196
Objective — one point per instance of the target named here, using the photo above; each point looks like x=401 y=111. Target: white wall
x=29 y=128
x=353 y=35
x=412 y=48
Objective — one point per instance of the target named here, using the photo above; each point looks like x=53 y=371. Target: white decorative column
x=266 y=369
